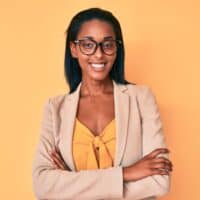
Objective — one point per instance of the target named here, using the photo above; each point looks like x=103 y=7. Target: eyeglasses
x=89 y=46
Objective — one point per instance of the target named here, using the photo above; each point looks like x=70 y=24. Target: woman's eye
x=108 y=45
x=88 y=45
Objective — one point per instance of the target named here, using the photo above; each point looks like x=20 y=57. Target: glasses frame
x=118 y=42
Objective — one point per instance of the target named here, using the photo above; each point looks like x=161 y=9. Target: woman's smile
x=98 y=67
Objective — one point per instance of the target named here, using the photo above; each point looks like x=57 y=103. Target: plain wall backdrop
x=162 y=51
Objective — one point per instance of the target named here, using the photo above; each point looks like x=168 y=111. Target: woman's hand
x=148 y=165
x=57 y=160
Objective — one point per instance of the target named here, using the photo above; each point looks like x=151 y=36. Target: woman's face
x=98 y=65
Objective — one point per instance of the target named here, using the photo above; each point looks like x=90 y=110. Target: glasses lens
x=109 y=47
x=87 y=46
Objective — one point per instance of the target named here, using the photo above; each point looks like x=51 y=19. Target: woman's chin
x=98 y=74
x=99 y=77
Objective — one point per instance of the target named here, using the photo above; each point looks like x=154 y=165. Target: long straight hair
x=73 y=74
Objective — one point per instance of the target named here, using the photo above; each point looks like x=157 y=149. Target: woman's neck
x=94 y=88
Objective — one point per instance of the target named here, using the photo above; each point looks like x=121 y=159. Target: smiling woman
x=103 y=139
x=91 y=58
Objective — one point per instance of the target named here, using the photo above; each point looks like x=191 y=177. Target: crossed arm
x=52 y=179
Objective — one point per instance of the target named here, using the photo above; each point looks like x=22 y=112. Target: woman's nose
x=98 y=53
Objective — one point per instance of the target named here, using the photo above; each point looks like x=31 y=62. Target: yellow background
x=162 y=51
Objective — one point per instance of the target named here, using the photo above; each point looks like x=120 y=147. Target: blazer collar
x=121 y=106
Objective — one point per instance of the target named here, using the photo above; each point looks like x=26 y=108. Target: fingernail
x=50 y=152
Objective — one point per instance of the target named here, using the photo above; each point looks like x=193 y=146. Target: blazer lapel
x=70 y=105
x=121 y=100
x=67 y=126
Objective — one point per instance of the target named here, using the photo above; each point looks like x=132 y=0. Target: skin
x=96 y=95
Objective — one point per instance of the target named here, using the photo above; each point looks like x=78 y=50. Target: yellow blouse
x=93 y=152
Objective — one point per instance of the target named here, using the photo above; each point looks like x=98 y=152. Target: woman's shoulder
x=55 y=100
x=139 y=89
x=144 y=95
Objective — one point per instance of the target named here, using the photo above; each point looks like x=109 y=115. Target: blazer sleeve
x=51 y=183
x=152 y=138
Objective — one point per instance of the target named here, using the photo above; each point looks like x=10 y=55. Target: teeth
x=97 y=65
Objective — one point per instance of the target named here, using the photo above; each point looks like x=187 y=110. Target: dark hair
x=73 y=72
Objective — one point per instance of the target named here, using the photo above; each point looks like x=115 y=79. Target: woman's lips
x=98 y=66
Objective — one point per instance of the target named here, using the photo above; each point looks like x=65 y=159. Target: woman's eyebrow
x=88 y=37
x=108 y=37
x=105 y=38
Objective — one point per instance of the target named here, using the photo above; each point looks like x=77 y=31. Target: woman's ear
x=73 y=50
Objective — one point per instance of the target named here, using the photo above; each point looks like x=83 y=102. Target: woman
x=104 y=139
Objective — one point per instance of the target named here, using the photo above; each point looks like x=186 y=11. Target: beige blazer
x=138 y=132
